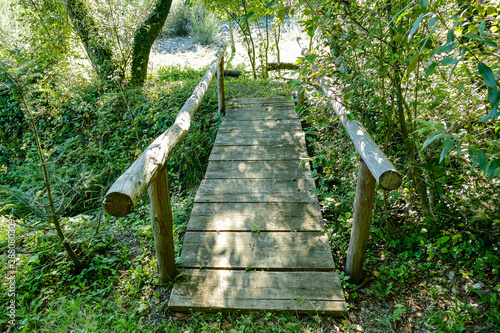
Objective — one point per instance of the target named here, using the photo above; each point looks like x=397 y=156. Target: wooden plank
x=269 y=113
x=260 y=139
x=271 y=210
x=257 y=169
x=256 y=126
x=257 y=250
x=236 y=186
x=295 y=197
x=297 y=292
x=256 y=153
x=234 y=221
x=242 y=102
x=256 y=190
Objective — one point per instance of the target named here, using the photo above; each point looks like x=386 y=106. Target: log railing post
x=220 y=86
x=161 y=218
x=363 y=207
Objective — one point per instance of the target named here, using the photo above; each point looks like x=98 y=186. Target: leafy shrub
x=177 y=23
x=204 y=25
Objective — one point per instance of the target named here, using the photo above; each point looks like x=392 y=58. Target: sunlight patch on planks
x=224 y=290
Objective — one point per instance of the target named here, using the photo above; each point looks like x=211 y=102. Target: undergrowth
x=94 y=136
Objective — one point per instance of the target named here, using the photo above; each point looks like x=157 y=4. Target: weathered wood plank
x=236 y=186
x=242 y=102
x=269 y=113
x=254 y=211
x=271 y=210
x=256 y=153
x=257 y=169
x=240 y=222
x=238 y=138
x=257 y=250
x=297 y=292
x=256 y=190
x=257 y=197
x=256 y=126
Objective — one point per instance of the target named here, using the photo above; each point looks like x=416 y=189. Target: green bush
x=177 y=23
x=204 y=25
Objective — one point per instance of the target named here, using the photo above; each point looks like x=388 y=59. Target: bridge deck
x=255 y=239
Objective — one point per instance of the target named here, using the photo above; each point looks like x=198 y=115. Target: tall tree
x=99 y=49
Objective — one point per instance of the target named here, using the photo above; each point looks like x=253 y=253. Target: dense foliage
x=421 y=76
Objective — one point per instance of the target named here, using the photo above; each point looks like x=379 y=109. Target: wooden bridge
x=255 y=239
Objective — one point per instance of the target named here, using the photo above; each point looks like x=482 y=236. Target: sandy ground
x=183 y=52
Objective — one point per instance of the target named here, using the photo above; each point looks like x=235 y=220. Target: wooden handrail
x=379 y=164
x=148 y=172
x=123 y=195
x=374 y=166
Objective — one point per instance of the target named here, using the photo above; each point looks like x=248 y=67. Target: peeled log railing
x=374 y=166
x=148 y=172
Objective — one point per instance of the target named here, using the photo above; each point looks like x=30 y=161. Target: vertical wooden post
x=161 y=218
x=220 y=86
x=363 y=207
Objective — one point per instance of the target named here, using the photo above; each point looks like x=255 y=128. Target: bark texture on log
x=121 y=198
x=363 y=207
x=144 y=39
x=161 y=219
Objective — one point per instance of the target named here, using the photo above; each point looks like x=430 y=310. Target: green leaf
x=450 y=36
x=481 y=160
x=461 y=88
x=490 y=43
x=413 y=63
x=432 y=21
x=493 y=96
x=434 y=137
x=431 y=68
x=447 y=144
x=310 y=31
x=482 y=27
x=415 y=26
x=442 y=240
x=282 y=13
x=473 y=36
x=487 y=75
x=423 y=4
x=449 y=61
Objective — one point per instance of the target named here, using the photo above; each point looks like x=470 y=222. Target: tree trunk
x=100 y=54
x=233 y=47
x=144 y=38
